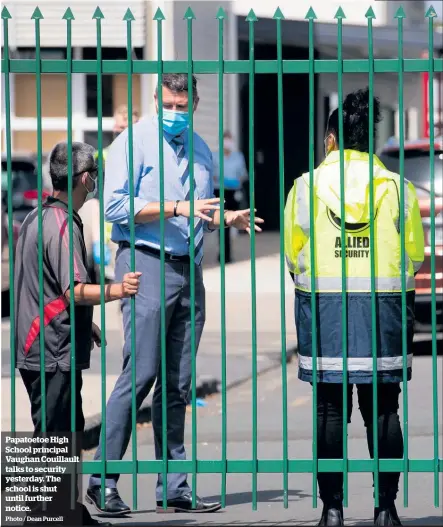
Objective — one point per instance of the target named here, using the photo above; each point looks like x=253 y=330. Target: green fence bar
x=344 y=300
x=68 y=16
x=400 y=15
x=128 y=18
x=311 y=16
x=252 y=19
x=37 y=16
x=98 y=17
x=189 y=17
x=278 y=16
x=431 y=14
x=370 y=16
x=221 y=15
x=159 y=17
x=6 y=16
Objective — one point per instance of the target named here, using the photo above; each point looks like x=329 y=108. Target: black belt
x=157 y=253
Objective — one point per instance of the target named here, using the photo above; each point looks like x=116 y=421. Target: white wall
x=324 y=9
x=53 y=28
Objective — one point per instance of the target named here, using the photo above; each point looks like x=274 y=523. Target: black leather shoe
x=331 y=517
x=386 y=516
x=114 y=505
x=184 y=504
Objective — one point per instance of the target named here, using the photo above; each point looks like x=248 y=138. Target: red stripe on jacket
x=51 y=310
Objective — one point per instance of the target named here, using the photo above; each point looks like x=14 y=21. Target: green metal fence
x=221 y=67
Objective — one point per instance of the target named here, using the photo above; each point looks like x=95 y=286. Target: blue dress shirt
x=147 y=185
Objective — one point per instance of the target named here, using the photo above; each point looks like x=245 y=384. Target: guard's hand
x=241 y=220
x=201 y=208
x=96 y=336
x=130 y=284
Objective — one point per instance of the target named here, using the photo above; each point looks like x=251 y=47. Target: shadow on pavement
x=151 y=523
x=428 y=520
x=263 y=496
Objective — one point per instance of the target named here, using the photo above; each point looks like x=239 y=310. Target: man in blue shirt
x=234 y=175
x=146 y=173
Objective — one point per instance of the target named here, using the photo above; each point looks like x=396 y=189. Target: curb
x=205 y=387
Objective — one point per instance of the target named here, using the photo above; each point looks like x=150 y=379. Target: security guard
x=328 y=254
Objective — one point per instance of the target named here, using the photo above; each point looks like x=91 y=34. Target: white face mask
x=228 y=144
x=91 y=193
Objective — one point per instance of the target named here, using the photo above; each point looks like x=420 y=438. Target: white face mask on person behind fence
x=91 y=193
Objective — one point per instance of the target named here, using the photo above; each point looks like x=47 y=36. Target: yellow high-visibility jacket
x=328 y=264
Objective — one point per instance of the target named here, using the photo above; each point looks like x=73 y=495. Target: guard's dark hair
x=178 y=83
x=83 y=160
x=355 y=121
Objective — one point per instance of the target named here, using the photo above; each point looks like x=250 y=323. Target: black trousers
x=330 y=435
x=230 y=204
x=58 y=421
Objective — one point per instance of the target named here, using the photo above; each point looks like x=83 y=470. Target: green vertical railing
x=37 y=16
x=159 y=17
x=221 y=15
x=189 y=17
x=252 y=19
x=431 y=14
x=68 y=17
x=344 y=298
x=6 y=63
x=370 y=16
x=129 y=18
x=311 y=16
x=278 y=17
x=399 y=15
x=220 y=67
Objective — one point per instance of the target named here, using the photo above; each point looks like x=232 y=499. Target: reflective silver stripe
x=354 y=364
x=290 y=265
x=356 y=284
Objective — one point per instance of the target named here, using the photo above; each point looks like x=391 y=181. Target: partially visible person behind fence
x=177 y=107
x=388 y=284
x=90 y=212
x=235 y=174
x=57 y=262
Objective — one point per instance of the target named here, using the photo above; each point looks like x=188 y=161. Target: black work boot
x=332 y=516
x=386 y=515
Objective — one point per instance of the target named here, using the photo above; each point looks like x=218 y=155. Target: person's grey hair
x=178 y=83
x=83 y=160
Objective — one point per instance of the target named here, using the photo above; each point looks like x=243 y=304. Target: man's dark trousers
x=58 y=421
x=148 y=361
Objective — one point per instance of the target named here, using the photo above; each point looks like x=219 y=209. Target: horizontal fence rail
x=433 y=463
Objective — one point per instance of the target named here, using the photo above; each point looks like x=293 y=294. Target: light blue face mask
x=175 y=123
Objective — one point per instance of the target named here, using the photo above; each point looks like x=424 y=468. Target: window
x=107 y=80
x=92 y=95
x=92 y=139
x=45 y=53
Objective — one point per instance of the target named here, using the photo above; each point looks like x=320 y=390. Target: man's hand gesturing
x=241 y=220
x=201 y=208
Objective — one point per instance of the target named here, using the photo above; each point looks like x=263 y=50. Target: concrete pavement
x=238 y=331
x=270 y=511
